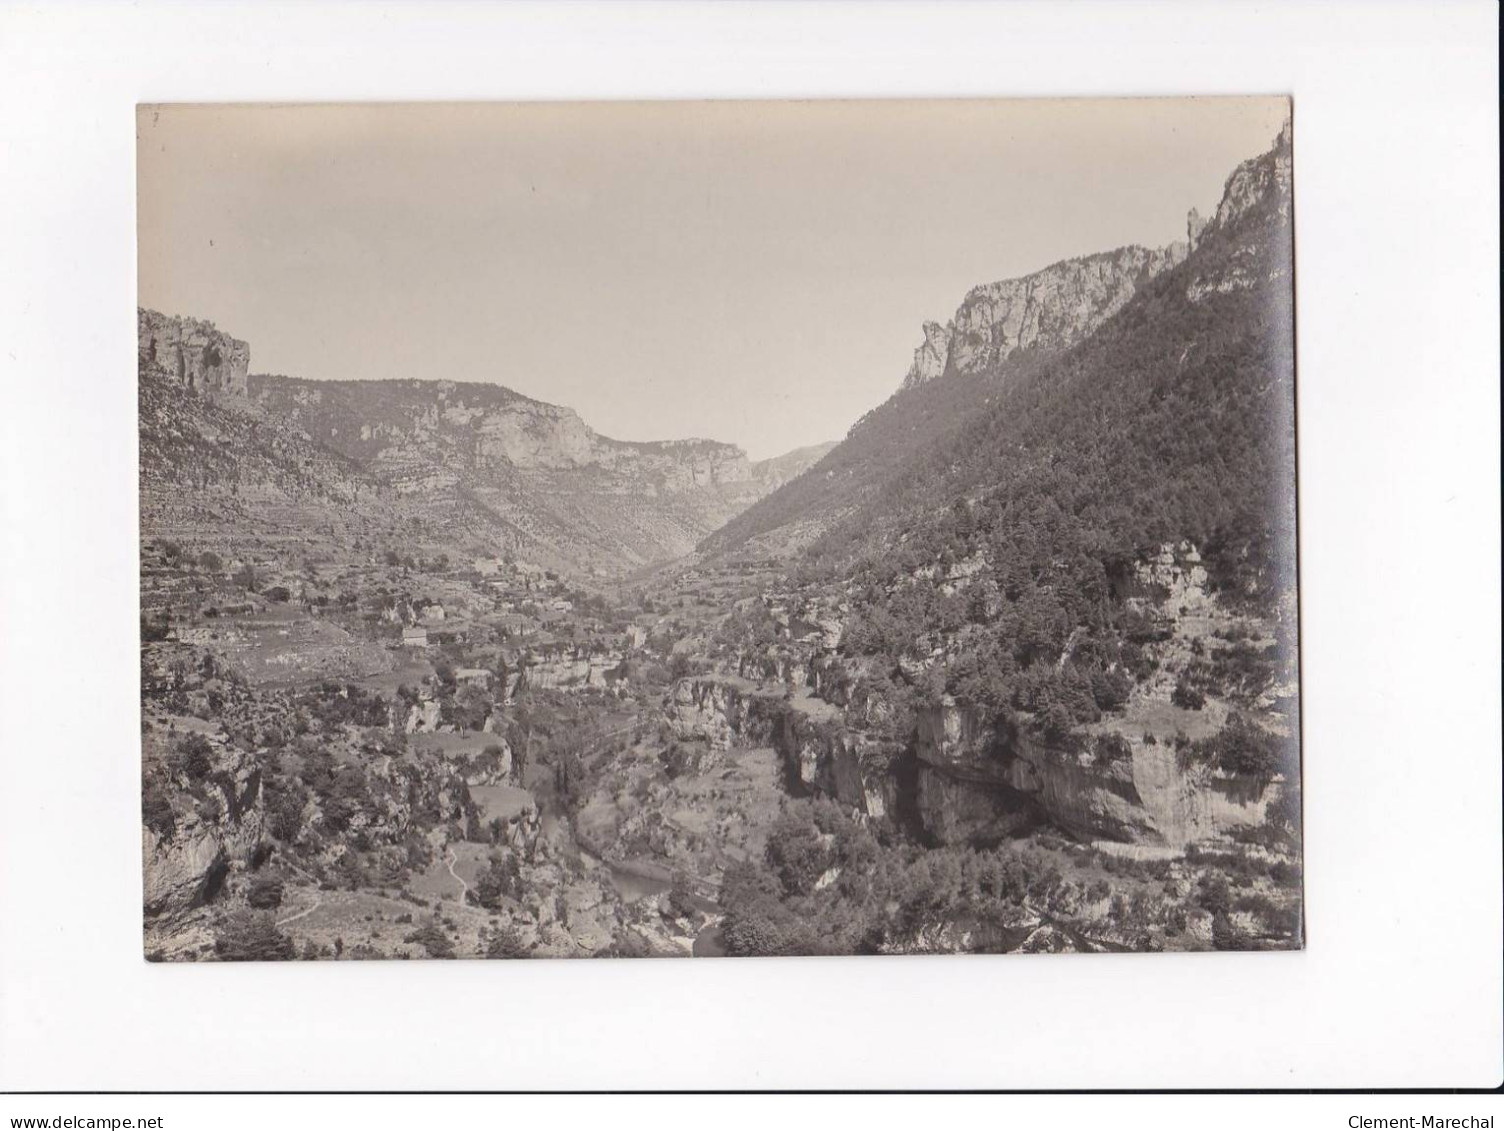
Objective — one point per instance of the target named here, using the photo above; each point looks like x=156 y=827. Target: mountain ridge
x=1001 y=335
x=531 y=473
x=1000 y=332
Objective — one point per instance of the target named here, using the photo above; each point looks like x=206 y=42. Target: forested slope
x=1173 y=423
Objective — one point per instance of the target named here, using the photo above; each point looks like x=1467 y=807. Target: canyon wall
x=979 y=782
x=1048 y=310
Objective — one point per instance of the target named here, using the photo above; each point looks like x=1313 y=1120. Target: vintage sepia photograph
x=718 y=529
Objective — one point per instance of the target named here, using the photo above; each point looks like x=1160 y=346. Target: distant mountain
x=1000 y=332
x=523 y=475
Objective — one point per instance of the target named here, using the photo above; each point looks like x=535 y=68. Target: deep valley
x=434 y=669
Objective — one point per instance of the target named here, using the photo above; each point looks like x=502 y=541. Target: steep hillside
x=1000 y=333
x=1173 y=421
x=224 y=451
x=1074 y=615
x=586 y=501
x=1006 y=567
x=210 y=462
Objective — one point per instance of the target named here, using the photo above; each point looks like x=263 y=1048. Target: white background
x=1397 y=227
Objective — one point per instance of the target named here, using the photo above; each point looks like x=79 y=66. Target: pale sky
x=749 y=272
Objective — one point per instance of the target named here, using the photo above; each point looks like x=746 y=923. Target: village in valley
x=432 y=669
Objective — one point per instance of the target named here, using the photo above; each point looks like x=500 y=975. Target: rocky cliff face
x=819 y=754
x=1000 y=330
x=1259 y=185
x=192 y=352
x=1054 y=308
x=1256 y=181
x=1051 y=310
x=978 y=783
x=184 y=867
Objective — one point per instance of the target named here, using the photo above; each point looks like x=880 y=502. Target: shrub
x=431 y=937
x=1225 y=936
x=252 y=936
x=156 y=810
x=1113 y=748
x=1187 y=696
x=194 y=757
x=1284 y=874
x=1242 y=747
x=1214 y=896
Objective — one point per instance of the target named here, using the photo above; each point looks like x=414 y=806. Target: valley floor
x=380 y=755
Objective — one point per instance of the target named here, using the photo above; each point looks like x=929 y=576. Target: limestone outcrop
x=1260 y=184
x=979 y=782
x=185 y=867
x=716 y=711
x=1048 y=310
x=192 y=352
x=820 y=755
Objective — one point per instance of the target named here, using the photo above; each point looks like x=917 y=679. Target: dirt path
x=464 y=887
x=317 y=903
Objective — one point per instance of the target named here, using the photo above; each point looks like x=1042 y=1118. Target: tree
x=1110 y=689
x=1057 y=722
x=193 y=757
x=1112 y=748
x=505 y=942
x=681 y=899
x=265 y=892
x=1243 y=747
x=571 y=780
x=285 y=812
x=752 y=936
x=797 y=854
x=502 y=879
x=156 y=810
